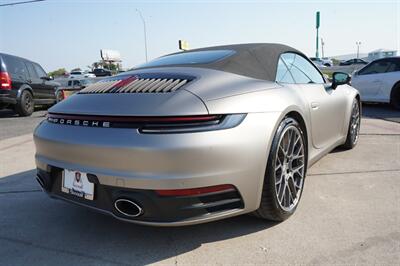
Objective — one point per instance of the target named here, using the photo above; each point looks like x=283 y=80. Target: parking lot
x=349 y=213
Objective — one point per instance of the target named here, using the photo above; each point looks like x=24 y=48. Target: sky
x=69 y=34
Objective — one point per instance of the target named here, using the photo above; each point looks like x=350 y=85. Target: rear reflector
x=194 y=191
x=5 y=81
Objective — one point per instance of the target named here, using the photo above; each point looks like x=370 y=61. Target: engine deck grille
x=135 y=84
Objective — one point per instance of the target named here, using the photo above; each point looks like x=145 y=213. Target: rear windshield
x=200 y=57
x=15 y=66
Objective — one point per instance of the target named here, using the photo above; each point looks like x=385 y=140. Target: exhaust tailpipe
x=128 y=208
x=41 y=182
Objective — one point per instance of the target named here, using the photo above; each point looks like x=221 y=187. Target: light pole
x=145 y=32
x=358 y=49
x=317 y=16
x=322 y=47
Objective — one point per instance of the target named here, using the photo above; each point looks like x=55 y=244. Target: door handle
x=314 y=105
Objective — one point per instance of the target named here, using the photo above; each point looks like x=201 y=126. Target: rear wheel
x=25 y=105
x=354 y=126
x=285 y=173
x=395 y=97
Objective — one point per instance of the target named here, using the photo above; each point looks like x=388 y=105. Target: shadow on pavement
x=9 y=113
x=381 y=111
x=33 y=222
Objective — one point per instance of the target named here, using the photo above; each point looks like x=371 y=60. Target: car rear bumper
x=7 y=98
x=126 y=162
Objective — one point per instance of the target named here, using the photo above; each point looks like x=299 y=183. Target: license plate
x=77 y=183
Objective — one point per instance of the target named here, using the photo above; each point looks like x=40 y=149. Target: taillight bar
x=194 y=191
x=138 y=119
x=5 y=81
x=151 y=124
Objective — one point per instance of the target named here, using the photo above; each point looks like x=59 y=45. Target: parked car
x=72 y=87
x=379 y=81
x=197 y=136
x=322 y=62
x=81 y=74
x=24 y=84
x=101 y=72
x=355 y=61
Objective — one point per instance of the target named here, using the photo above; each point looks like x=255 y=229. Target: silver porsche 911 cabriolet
x=197 y=136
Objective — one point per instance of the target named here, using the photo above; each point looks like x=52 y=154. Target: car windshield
x=200 y=57
x=76 y=73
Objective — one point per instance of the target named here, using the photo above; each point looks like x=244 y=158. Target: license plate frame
x=77 y=183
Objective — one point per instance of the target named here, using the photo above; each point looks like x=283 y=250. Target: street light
x=144 y=30
x=358 y=49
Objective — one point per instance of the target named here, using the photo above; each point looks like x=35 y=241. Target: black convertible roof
x=256 y=60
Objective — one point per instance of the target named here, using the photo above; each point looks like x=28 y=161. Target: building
x=381 y=53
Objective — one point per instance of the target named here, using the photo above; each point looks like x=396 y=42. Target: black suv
x=24 y=84
x=101 y=72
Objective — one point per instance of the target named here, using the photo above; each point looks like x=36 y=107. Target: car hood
x=201 y=86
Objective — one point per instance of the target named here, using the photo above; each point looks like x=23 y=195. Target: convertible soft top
x=256 y=60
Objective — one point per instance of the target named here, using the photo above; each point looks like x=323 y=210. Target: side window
x=282 y=73
x=39 y=70
x=375 y=68
x=302 y=70
x=394 y=66
x=15 y=67
x=69 y=83
x=31 y=70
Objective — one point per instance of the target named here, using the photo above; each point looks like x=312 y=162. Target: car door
x=34 y=81
x=389 y=78
x=369 y=80
x=326 y=106
x=46 y=86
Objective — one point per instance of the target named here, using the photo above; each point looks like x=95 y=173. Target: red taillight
x=193 y=191
x=5 y=81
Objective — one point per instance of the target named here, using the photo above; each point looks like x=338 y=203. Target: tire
x=273 y=205
x=395 y=97
x=354 y=126
x=25 y=105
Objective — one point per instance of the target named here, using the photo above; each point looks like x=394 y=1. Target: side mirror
x=340 y=78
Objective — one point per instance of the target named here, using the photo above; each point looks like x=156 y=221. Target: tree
x=76 y=69
x=58 y=73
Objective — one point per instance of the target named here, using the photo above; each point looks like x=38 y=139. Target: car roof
x=257 y=60
x=387 y=58
x=21 y=58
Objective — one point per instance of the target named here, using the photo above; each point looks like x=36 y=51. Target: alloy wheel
x=289 y=168
x=355 y=122
x=28 y=102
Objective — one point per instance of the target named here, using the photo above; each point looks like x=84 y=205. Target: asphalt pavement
x=349 y=214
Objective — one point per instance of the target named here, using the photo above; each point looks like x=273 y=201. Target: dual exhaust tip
x=128 y=208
